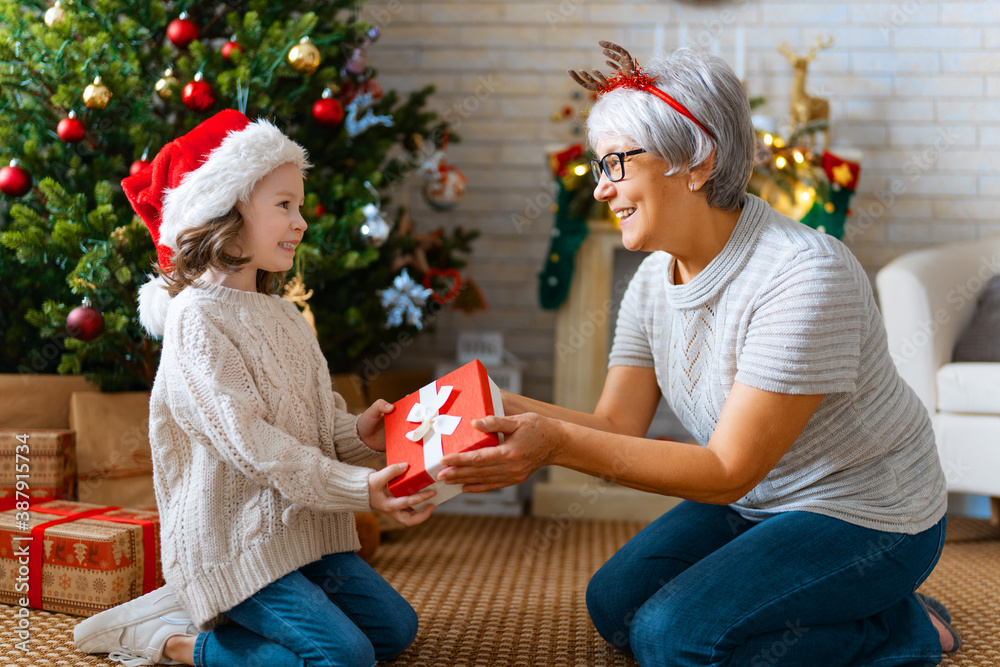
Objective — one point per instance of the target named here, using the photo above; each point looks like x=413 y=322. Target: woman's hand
x=398 y=508
x=371 y=424
x=530 y=442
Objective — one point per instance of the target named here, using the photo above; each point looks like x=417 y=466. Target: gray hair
x=709 y=89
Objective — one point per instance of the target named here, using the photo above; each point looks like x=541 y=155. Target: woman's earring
x=691 y=187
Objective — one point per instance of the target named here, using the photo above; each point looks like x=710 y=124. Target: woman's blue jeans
x=334 y=611
x=703 y=586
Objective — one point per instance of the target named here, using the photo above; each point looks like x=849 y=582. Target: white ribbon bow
x=432 y=425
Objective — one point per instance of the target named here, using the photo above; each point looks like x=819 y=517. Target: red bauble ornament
x=85 y=323
x=319 y=210
x=229 y=47
x=70 y=129
x=328 y=112
x=137 y=166
x=181 y=31
x=197 y=95
x=14 y=180
x=349 y=91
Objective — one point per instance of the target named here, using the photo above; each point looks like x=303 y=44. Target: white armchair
x=928 y=298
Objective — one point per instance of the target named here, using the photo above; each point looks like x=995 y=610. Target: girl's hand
x=530 y=442
x=398 y=508
x=371 y=424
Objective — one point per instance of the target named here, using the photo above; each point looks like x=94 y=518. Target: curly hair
x=209 y=247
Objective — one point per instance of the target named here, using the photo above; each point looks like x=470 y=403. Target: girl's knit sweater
x=252 y=449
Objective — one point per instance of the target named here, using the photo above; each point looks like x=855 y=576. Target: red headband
x=642 y=81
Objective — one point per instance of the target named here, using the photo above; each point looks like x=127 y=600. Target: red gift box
x=78 y=558
x=435 y=421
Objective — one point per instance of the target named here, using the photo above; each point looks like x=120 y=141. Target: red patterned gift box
x=435 y=421
x=78 y=558
x=40 y=463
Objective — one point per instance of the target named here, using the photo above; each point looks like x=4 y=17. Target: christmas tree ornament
x=55 y=15
x=70 y=129
x=167 y=84
x=182 y=31
x=375 y=229
x=295 y=291
x=96 y=95
x=197 y=94
x=320 y=210
x=15 y=181
x=327 y=111
x=229 y=47
x=355 y=125
x=304 y=57
x=445 y=284
x=84 y=322
x=470 y=298
x=139 y=164
x=356 y=64
x=445 y=185
x=404 y=301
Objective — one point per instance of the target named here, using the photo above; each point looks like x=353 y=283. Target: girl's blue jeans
x=703 y=586
x=336 y=611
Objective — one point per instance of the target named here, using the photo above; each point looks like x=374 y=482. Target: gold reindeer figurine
x=805 y=108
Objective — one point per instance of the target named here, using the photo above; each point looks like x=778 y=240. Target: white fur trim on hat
x=154 y=299
x=227 y=176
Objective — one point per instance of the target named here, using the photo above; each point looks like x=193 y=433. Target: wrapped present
x=113 y=457
x=78 y=558
x=435 y=421
x=38 y=400
x=36 y=465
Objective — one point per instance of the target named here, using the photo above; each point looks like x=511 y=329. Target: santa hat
x=197 y=178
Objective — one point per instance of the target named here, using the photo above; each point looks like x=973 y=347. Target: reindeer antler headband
x=628 y=74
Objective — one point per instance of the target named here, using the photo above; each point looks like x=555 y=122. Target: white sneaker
x=134 y=633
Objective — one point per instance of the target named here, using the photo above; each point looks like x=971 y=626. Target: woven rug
x=494 y=592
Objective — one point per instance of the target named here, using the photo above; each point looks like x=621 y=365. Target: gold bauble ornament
x=167 y=85
x=96 y=95
x=304 y=57
x=55 y=15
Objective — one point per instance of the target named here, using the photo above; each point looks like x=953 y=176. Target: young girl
x=252 y=449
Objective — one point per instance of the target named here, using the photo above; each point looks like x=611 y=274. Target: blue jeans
x=334 y=611
x=703 y=586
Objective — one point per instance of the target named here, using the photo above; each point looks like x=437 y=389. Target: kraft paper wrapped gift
x=41 y=461
x=113 y=457
x=435 y=421
x=80 y=558
x=38 y=400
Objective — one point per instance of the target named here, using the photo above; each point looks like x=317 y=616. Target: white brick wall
x=915 y=84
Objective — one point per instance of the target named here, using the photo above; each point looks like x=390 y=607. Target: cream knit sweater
x=252 y=449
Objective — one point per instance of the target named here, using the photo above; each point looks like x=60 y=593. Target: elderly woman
x=815 y=502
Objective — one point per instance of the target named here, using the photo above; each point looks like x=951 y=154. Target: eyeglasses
x=613 y=165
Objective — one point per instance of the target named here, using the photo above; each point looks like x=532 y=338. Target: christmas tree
x=91 y=90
